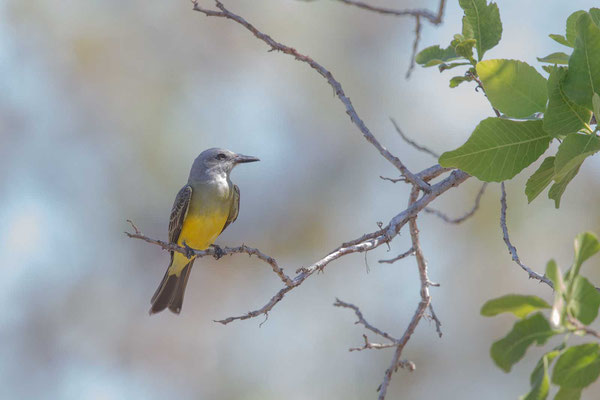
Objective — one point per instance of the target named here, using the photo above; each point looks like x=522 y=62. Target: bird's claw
x=189 y=252
x=218 y=251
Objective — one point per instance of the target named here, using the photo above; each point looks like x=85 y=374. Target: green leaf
x=548 y=68
x=517 y=304
x=482 y=24
x=595 y=14
x=553 y=273
x=435 y=55
x=578 y=366
x=457 y=80
x=560 y=39
x=573 y=151
x=583 y=77
x=499 y=149
x=513 y=87
x=465 y=48
x=584 y=300
x=586 y=245
x=596 y=105
x=568 y=394
x=539 y=379
x=555 y=58
x=562 y=116
x=509 y=350
x=572 y=26
x=556 y=191
x=540 y=179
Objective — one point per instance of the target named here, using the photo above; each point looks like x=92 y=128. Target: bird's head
x=219 y=161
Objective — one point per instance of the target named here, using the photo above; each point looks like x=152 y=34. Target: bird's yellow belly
x=200 y=231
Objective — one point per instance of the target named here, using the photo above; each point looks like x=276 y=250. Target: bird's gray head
x=217 y=161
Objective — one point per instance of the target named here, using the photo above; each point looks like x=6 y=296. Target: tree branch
x=362 y=321
x=435 y=19
x=215 y=253
x=411 y=142
x=421 y=307
x=511 y=248
x=464 y=217
x=337 y=87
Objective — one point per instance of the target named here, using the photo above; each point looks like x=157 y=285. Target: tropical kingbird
x=202 y=210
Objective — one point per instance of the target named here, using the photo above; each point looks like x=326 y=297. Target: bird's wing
x=178 y=212
x=235 y=208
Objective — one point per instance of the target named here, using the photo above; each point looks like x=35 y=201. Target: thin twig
x=435 y=19
x=413 y=143
x=337 y=87
x=464 y=217
x=372 y=346
x=434 y=317
x=407 y=253
x=415 y=47
x=511 y=248
x=362 y=321
x=215 y=253
x=421 y=307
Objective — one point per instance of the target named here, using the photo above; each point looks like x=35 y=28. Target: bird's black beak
x=240 y=158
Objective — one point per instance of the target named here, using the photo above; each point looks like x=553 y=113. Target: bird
x=203 y=208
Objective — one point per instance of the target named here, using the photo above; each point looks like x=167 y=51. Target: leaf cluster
x=532 y=110
x=575 y=305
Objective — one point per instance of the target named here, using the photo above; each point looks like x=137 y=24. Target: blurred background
x=105 y=104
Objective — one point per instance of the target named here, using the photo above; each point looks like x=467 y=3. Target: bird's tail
x=171 y=290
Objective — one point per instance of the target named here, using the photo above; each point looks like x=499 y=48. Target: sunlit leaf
x=482 y=24
x=513 y=87
x=568 y=394
x=578 y=366
x=583 y=76
x=584 y=300
x=562 y=116
x=555 y=58
x=586 y=245
x=498 y=149
x=435 y=55
x=573 y=151
x=509 y=350
x=519 y=305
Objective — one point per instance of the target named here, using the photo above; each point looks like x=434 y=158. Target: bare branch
x=372 y=346
x=433 y=18
x=415 y=47
x=412 y=143
x=434 y=317
x=215 y=253
x=337 y=87
x=464 y=217
x=362 y=321
x=511 y=248
x=422 y=306
x=407 y=253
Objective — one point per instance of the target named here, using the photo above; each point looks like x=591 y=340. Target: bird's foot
x=218 y=251
x=189 y=252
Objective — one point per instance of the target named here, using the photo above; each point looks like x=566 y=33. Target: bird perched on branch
x=202 y=210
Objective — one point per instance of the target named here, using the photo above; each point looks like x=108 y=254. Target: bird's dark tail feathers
x=171 y=290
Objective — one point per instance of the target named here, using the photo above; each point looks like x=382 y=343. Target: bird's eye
x=221 y=156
